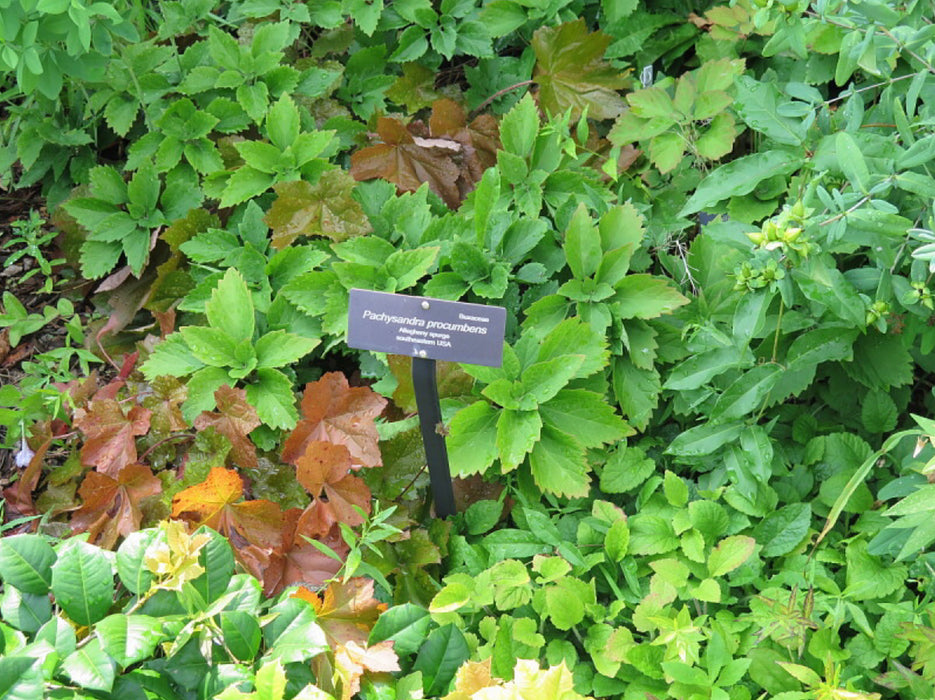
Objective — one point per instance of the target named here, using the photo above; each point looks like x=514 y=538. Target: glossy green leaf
x=439 y=658
x=405 y=625
x=90 y=667
x=83 y=581
x=26 y=563
x=128 y=639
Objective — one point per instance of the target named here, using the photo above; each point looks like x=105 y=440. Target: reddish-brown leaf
x=111 y=434
x=216 y=503
x=234 y=419
x=294 y=560
x=332 y=411
x=324 y=471
x=111 y=507
x=407 y=163
x=479 y=140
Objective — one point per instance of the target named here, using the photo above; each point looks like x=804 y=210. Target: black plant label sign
x=433 y=329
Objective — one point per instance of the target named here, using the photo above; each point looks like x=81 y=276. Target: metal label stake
x=428 y=329
x=430 y=421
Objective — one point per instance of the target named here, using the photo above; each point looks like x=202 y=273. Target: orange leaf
x=234 y=419
x=214 y=503
x=111 y=443
x=406 y=163
x=111 y=507
x=334 y=412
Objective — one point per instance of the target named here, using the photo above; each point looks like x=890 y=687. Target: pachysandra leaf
x=558 y=464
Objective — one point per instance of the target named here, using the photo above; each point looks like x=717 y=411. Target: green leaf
x=564 y=603
x=278 y=348
x=758 y=104
x=637 y=391
x=646 y=296
x=282 y=122
x=572 y=73
x=519 y=127
x=131 y=554
x=582 y=244
x=82 y=581
x=852 y=162
x=129 y=639
x=472 y=439
x=271 y=394
x=698 y=370
x=294 y=635
x=746 y=393
x=241 y=633
x=210 y=346
x=510 y=543
x=666 y=150
x=739 y=177
x=409 y=266
x=704 y=439
x=90 y=667
x=626 y=469
x=558 y=464
x=717 y=140
x=517 y=433
x=405 y=625
x=543 y=380
x=617 y=540
x=651 y=534
x=440 y=656
x=171 y=357
x=827 y=286
x=730 y=553
x=26 y=563
x=878 y=412
x=143 y=189
x=26 y=612
x=781 y=532
x=245 y=183
x=21 y=678
x=230 y=308
x=201 y=387
x=586 y=415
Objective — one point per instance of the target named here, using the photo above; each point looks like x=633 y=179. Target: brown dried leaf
x=352 y=660
x=403 y=162
x=111 y=443
x=324 y=209
x=332 y=411
x=234 y=419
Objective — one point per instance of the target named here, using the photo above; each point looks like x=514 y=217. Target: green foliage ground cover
x=703 y=468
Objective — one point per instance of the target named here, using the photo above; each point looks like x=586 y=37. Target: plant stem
x=500 y=93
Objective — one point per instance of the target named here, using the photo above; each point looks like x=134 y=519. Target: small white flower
x=24 y=455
